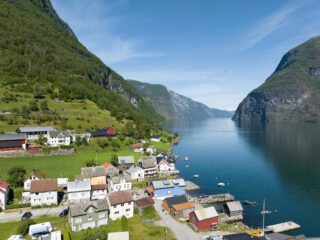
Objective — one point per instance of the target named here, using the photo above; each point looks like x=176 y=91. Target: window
x=77 y=220
x=90 y=218
x=90 y=209
x=117 y=212
x=122 y=204
x=102 y=215
x=128 y=210
x=129 y=203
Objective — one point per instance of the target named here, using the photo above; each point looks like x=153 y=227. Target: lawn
x=137 y=229
x=164 y=147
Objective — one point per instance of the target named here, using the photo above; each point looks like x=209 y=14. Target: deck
x=210 y=199
x=283 y=227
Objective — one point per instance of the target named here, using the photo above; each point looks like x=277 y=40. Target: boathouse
x=204 y=218
x=12 y=142
x=166 y=188
x=170 y=201
x=242 y=236
x=233 y=209
x=182 y=210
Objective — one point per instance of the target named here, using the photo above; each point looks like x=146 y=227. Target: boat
x=187 y=166
x=221 y=184
x=175 y=157
x=264 y=212
x=196 y=176
x=247 y=202
x=186 y=158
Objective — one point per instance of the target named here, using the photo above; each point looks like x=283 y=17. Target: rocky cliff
x=291 y=93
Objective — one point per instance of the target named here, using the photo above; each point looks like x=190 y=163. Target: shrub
x=90 y=163
x=66 y=235
x=66 y=147
x=124 y=223
x=16 y=176
x=14 y=206
x=23 y=226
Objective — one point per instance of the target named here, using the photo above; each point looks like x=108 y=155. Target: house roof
x=118 y=236
x=133 y=169
x=90 y=172
x=144 y=202
x=176 y=200
x=163 y=161
x=149 y=190
x=242 y=236
x=10 y=144
x=35 y=129
x=12 y=136
x=125 y=160
x=60 y=134
x=79 y=186
x=179 y=182
x=182 y=206
x=206 y=213
x=106 y=164
x=99 y=187
x=120 y=197
x=278 y=236
x=156 y=136
x=81 y=208
x=36 y=173
x=137 y=145
x=101 y=133
x=117 y=180
x=44 y=185
x=3 y=184
x=164 y=183
x=148 y=162
x=234 y=206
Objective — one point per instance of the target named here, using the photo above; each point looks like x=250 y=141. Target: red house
x=103 y=133
x=12 y=142
x=204 y=219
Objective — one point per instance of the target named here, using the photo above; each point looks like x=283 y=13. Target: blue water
x=277 y=162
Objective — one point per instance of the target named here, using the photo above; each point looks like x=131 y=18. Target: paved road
x=180 y=231
x=16 y=216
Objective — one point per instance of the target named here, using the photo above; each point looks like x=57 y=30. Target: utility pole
x=263 y=214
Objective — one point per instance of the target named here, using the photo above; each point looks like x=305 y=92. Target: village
x=119 y=190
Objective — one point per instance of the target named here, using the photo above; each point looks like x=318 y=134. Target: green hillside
x=41 y=59
x=157 y=96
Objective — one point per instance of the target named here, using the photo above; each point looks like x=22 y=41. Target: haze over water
x=276 y=161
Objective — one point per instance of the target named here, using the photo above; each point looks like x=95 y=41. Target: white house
x=125 y=160
x=155 y=138
x=39 y=229
x=98 y=191
x=34 y=175
x=119 y=183
x=79 y=191
x=149 y=166
x=44 y=192
x=137 y=148
x=120 y=204
x=33 y=133
x=58 y=138
x=81 y=135
x=151 y=149
x=136 y=173
x=4 y=194
x=164 y=166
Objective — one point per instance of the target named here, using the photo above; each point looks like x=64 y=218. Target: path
x=16 y=216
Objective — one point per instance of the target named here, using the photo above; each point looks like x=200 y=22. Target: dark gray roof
x=125 y=160
x=35 y=129
x=148 y=162
x=10 y=144
x=90 y=172
x=12 y=136
x=242 y=236
x=81 y=208
x=176 y=200
x=278 y=236
x=79 y=186
x=234 y=206
x=60 y=134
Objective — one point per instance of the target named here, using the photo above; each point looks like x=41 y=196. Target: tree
x=33 y=106
x=23 y=227
x=124 y=224
x=90 y=163
x=101 y=143
x=78 y=141
x=169 y=139
x=16 y=176
x=44 y=106
x=42 y=139
x=129 y=130
x=114 y=160
x=85 y=141
x=176 y=134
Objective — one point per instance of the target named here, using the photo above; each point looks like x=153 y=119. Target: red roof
x=144 y=202
x=106 y=164
x=137 y=146
x=3 y=184
x=149 y=189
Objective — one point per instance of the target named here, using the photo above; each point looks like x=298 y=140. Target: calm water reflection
x=276 y=161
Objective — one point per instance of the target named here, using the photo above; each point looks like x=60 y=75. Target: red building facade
x=204 y=219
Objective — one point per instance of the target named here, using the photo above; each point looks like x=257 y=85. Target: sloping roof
x=36 y=173
x=278 y=236
x=156 y=136
x=99 y=187
x=120 y=197
x=90 y=172
x=125 y=160
x=242 y=236
x=133 y=169
x=35 y=129
x=206 y=213
x=79 y=186
x=163 y=161
x=12 y=136
x=106 y=164
x=179 y=182
x=3 y=184
x=234 y=206
x=10 y=144
x=148 y=162
x=176 y=200
x=44 y=185
x=101 y=133
x=137 y=145
x=118 y=236
x=144 y=202
x=182 y=206
x=164 y=183
x=60 y=134
x=117 y=179
x=81 y=208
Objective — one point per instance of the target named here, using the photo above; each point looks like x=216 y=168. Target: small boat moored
x=186 y=158
x=221 y=184
x=252 y=203
x=196 y=176
x=187 y=166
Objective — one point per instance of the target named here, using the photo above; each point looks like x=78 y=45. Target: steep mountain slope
x=41 y=57
x=291 y=93
x=158 y=97
x=186 y=108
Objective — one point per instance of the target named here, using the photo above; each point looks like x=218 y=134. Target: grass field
x=137 y=229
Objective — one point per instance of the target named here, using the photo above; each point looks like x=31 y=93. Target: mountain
x=186 y=108
x=41 y=59
x=172 y=105
x=291 y=93
x=157 y=96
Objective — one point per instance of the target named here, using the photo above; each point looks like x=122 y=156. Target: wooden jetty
x=190 y=186
x=283 y=227
x=210 y=199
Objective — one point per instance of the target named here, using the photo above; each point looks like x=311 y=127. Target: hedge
x=13 y=206
x=66 y=235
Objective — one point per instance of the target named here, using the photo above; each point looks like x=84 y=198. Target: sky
x=214 y=52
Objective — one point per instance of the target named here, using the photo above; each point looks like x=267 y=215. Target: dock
x=283 y=227
x=190 y=186
x=211 y=199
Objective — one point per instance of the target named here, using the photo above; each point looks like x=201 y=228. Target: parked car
x=26 y=215
x=64 y=213
x=214 y=237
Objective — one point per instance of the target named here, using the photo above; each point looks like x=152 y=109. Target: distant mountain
x=172 y=105
x=186 y=108
x=41 y=58
x=291 y=93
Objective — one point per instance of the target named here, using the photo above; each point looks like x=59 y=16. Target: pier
x=283 y=227
x=210 y=199
x=190 y=186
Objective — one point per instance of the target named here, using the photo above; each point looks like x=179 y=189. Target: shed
x=242 y=236
x=233 y=209
x=169 y=201
x=118 y=236
x=182 y=210
x=143 y=203
x=204 y=219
